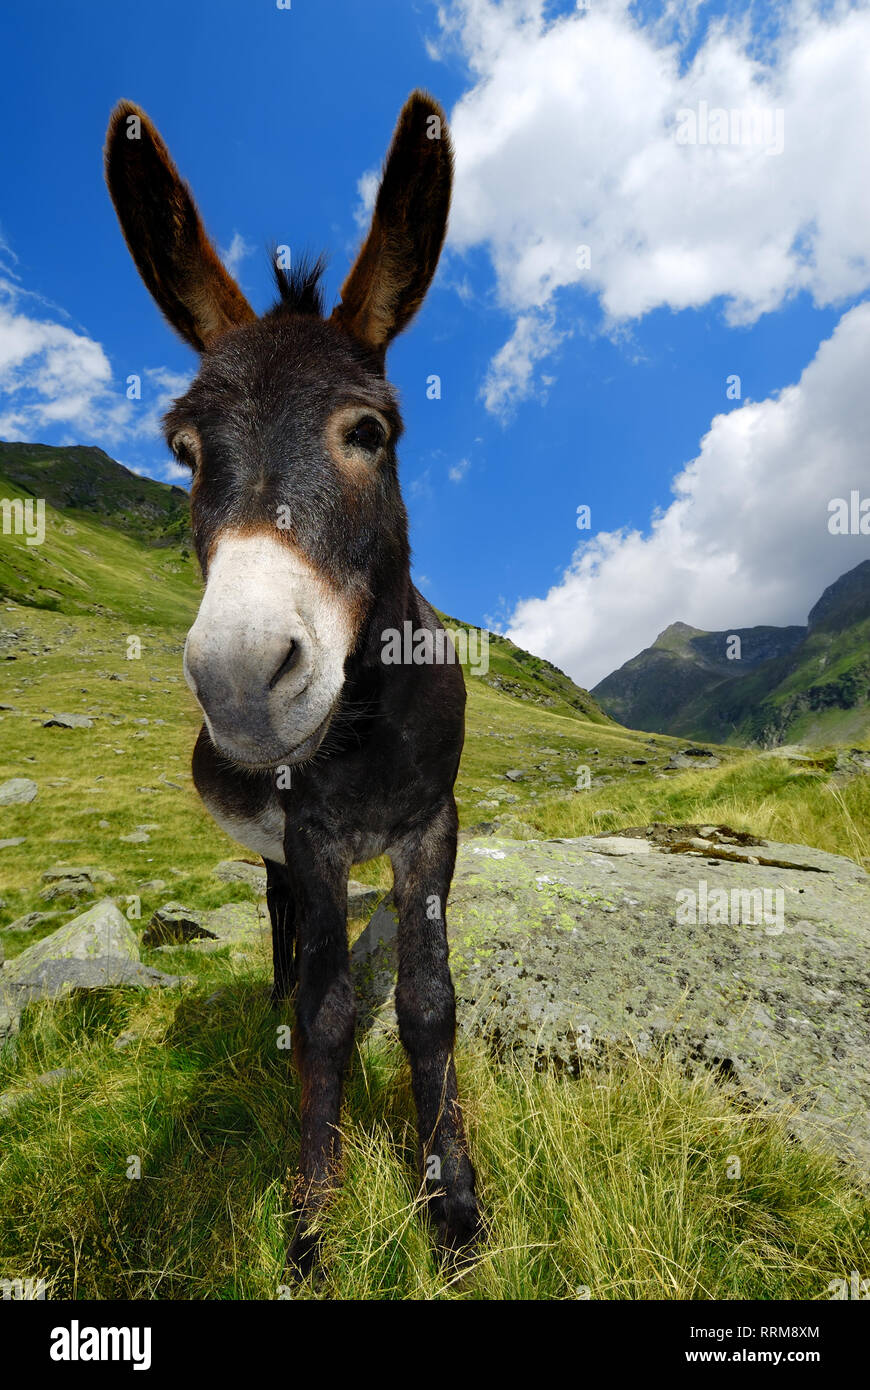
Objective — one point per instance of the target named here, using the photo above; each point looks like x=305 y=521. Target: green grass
x=771 y=797
x=614 y=1185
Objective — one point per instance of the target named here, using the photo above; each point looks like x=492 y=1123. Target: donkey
x=314 y=753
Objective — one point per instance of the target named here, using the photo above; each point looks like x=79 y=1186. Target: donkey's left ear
x=167 y=240
x=394 y=269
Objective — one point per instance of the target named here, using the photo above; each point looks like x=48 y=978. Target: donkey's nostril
x=290 y=661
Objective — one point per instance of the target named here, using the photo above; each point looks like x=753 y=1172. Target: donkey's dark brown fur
x=291 y=417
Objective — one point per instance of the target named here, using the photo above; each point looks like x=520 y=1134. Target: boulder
x=243 y=871
x=99 y=933
x=68 y=721
x=174 y=924
x=95 y=950
x=28 y=920
x=562 y=948
x=78 y=871
x=235 y=924
x=18 y=791
x=692 y=758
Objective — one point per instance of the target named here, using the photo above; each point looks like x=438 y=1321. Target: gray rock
x=68 y=888
x=692 y=758
x=362 y=899
x=10 y=1099
x=515 y=774
x=373 y=968
x=68 y=721
x=560 y=951
x=100 y=933
x=18 y=791
x=174 y=924
x=95 y=950
x=242 y=871
x=10 y=844
x=78 y=872
x=235 y=924
x=621 y=844
x=152 y=885
x=30 y=919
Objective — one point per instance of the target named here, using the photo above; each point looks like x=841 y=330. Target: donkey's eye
x=185 y=447
x=368 y=433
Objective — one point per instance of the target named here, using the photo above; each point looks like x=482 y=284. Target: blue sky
x=561 y=385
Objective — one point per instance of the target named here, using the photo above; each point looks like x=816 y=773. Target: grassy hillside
x=84 y=481
x=611 y=1182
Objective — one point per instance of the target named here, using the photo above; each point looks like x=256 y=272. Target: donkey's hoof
x=457 y=1224
x=303 y=1259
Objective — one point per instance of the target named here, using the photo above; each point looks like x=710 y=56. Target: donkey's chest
x=262 y=830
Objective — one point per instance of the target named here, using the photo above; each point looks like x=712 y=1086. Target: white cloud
x=510 y=377
x=237 y=251
x=567 y=139
x=176 y=472
x=367 y=191
x=745 y=541
x=457 y=471
x=53 y=377
x=50 y=375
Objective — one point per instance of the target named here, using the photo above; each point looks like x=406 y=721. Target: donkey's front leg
x=323 y=1035
x=425 y=1006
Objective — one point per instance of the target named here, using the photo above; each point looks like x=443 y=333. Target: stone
x=560 y=951
x=29 y=920
x=96 y=950
x=136 y=837
x=692 y=758
x=100 y=932
x=373 y=970
x=621 y=844
x=515 y=774
x=11 y=843
x=242 y=871
x=362 y=899
x=77 y=871
x=67 y=888
x=10 y=1099
x=174 y=924
x=18 y=791
x=68 y=721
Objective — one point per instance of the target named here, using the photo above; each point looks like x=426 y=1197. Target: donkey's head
x=290 y=430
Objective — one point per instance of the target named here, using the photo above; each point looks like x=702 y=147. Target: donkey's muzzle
x=265 y=657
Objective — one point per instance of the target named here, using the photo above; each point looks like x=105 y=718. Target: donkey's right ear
x=167 y=240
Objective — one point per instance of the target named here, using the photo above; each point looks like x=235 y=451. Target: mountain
x=780 y=684
x=84 y=481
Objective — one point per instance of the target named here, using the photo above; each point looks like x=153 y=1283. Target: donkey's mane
x=300 y=289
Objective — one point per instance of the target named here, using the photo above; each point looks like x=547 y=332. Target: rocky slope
x=789 y=684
